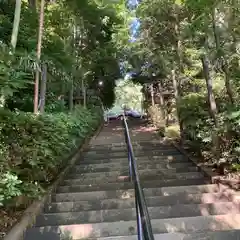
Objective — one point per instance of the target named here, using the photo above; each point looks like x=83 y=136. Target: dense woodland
x=54 y=55
x=187 y=55
x=59 y=63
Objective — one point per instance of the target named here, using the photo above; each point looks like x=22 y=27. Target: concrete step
x=114 y=215
x=81 y=179
x=108 y=146
x=129 y=193
x=216 y=235
x=143 y=160
x=139 y=144
x=145 y=172
x=150 y=152
x=124 y=149
x=107 y=167
x=128 y=185
x=125 y=228
x=79 y=206
x=136 y=149
x=104 y=149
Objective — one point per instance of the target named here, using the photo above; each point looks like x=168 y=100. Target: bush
x=32 y=147
x=194 y=114
x=206 y=139
x=156 y=117
x=172 y=132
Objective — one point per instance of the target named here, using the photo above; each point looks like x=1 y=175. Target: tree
x=189 y=47
x=97 y=53
x=16 y=22
x=39 y=47
x=78 y=43
x=129 y=94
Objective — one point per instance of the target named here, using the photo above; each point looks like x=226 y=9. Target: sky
x=133 y=2
x=134 y=27
x=135 y=23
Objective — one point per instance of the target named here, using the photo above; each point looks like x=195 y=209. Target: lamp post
x=100 y=83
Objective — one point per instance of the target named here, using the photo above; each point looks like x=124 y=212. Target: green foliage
x=10 y=186
x=82 y=43
x=82 y=40
x=13 y=74
x=236 y=167
x=193 y=112
x=191 y=47
x=33 y=147
x=157 y=118
x=129 y=94
x=172 y=132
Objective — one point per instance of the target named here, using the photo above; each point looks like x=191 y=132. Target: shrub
x=194 y=115
x=33 y=147
x=172 y=132
x=203 y=137
x=10 y=186
x=156 y=117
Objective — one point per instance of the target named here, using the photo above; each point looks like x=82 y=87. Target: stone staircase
x=96 y=199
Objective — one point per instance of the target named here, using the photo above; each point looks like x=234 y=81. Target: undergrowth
x=219 y=146
x=33 y=148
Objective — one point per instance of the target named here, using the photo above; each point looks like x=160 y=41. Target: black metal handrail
x=144 y=227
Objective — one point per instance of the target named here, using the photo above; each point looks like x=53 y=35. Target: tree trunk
x=85 y=97
x=212 y=105
x=232 y=23
x=177 y=84
x=16 y=22
x=43 y=88
x=78 y=95
x=71 y=89
x=215 y=32
x=176 y=95
x=152 y=94
x=61 y=97
x=211 y=98
x=71 y=96
x=161 y=99
x=142 y=104
x=39 y=47
x=32 y=4
x=178 y=47
x=14 y=37
x=227 y=82
x=84 y=93
x=222 y=58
